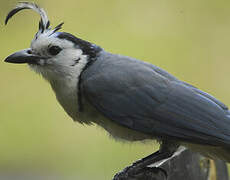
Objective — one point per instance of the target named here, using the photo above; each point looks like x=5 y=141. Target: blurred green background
x=190 y=39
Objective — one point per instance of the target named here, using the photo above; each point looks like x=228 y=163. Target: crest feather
x=44 y=23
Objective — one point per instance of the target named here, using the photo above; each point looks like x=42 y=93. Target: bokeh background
x=190 y=39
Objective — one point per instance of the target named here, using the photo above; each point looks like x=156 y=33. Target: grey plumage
x=143 y=97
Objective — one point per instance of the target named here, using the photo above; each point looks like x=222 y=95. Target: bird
x=130 y=99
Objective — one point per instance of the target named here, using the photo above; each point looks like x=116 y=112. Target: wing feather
x=135 y=95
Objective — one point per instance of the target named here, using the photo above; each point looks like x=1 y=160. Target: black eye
x=54 y=50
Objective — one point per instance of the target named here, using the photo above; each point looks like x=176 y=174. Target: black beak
x=23 y=56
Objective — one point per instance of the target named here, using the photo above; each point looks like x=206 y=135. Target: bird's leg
x=166 y=151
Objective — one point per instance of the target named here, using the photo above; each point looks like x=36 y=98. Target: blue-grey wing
x=137 y=96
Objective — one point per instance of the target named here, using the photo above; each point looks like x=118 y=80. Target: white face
x=62 y=57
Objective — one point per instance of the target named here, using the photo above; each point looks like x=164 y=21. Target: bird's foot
x=139 y=170
x=147 y=173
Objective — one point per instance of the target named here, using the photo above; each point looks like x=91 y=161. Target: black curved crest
x=44 y=23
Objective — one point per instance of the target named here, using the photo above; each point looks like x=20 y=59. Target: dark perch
x=185 y=165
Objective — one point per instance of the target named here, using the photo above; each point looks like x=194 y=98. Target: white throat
x=64 y=82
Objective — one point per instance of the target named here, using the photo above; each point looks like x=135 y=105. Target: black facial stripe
x=76 y=61
x=79 y=92
x=88 y=48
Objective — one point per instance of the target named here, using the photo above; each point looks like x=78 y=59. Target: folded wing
x=145 y=98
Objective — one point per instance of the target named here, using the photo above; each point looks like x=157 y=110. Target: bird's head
x=53 y=54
